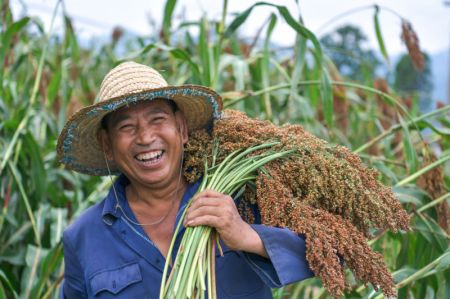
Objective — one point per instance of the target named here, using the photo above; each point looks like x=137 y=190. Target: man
x=117 y=248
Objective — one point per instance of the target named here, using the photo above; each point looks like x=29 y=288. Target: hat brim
x=78 y=146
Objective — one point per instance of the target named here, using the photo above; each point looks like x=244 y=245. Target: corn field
x=45 y=77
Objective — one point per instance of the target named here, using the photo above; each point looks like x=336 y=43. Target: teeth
x=149 y=156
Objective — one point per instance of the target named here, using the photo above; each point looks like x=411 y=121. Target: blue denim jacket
x=106 y=256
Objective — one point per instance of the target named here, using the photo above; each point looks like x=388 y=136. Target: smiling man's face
x=146 y=142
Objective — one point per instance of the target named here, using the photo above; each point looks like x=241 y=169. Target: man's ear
x=105 y=143
x=182 y=126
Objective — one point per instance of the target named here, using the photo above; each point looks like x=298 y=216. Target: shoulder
x=84 y=223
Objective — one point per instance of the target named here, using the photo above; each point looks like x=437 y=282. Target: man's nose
x=145 y=135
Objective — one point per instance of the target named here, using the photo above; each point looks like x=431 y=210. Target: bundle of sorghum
x=196 y=255
x=323 y=192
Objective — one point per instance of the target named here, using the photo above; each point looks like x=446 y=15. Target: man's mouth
x=150 y=157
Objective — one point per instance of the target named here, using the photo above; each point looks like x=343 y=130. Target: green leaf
x=443 y=131
x=327 y=97
x=411 y=194
x=203 y=50
x=394 y=128
x=184 y=56
x=238 y=21
x=53 y=87
x=265 y=67
x=431 y=231
x=48 y=266
x=6 y=281
x=59 y=222
x=30 y=277
x=26 y=201
x=2 y=291
x=240 y=70
x=37 y=170
x=313 y=93
x=167 y=19
x=380 y=36
x=71 y=47
x=410 y=153
x=8 y=35
x=299 y=28
x=406 y=198
x=443 y=290
x=444 y=262
x=385 y=171
x=299 y=63
x=284 y=12
x=423 y=170
x=403 y=273
x=179 y=54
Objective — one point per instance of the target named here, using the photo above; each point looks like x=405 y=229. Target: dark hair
x=105 y=119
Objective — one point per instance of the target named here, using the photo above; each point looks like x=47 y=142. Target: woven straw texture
x=78 y=147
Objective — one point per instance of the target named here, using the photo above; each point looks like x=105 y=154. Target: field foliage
x=45 y=77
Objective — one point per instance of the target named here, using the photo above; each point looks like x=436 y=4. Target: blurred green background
x=334 y=85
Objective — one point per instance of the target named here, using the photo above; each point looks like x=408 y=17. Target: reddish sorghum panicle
x=322 y=191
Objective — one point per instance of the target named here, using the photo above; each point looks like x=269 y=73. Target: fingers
x=211 y=193
x=210 y=198
x=210 y=208
x=209 y=220
x=217 y=210
x=202 y=211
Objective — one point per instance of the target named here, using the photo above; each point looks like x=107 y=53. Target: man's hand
x=219 y=211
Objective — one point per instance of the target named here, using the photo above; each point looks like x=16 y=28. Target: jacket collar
x=111 y=210
x=115 y=195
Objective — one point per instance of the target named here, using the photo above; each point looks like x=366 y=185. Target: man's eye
x=159 y=119
x=125 y=127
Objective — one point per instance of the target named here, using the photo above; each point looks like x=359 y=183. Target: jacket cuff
x=287 y=257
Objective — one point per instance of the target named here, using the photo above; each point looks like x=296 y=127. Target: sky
x=430 y=18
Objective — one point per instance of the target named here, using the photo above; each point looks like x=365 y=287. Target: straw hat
x=129 y=82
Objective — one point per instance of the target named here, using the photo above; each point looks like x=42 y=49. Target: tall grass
x=45 y=77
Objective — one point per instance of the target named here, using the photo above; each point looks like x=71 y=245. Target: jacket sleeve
x=287 y=257
x=73 y=285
